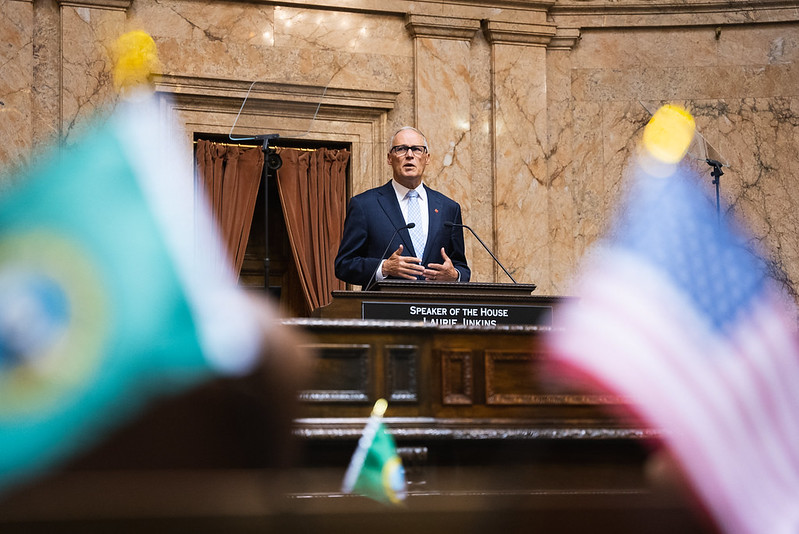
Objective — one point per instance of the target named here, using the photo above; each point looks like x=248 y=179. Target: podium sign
x=453 y=313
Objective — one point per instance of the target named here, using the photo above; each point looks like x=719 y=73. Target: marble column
x=16 y=26
x=46 y=88
x=564 y=246
x=442 y=106
x=521 y=148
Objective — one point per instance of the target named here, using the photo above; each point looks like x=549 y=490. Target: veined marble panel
x=224 y=23
x=16 y=83
x=46 y=88
x=443 y=114
x=323 y=49
x=684 y=64
x=521 y=147
x=742 y=91
x=562 y=187
x=297 y=27
x=588 y=184
x=282 y=44
x=760 y=138
x=646 y=47
x=87 y=37
x=480 y=215
x=771 y=44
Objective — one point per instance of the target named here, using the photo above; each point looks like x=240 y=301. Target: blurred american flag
x=676 y=314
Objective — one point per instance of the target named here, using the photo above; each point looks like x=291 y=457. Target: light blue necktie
x=415 y=216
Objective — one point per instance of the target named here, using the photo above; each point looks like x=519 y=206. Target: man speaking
x=407 y=219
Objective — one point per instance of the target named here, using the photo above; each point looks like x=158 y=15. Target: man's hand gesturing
x=400 y=266
x=442 y=272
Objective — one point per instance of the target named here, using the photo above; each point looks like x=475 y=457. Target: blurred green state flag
x=375 y=470
x=105 y=300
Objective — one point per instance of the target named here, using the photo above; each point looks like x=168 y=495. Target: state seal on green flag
x=105 y=300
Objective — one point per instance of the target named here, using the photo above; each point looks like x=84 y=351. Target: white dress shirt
x=401 y=191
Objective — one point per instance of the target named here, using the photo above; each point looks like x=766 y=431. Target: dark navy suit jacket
x=374 y=216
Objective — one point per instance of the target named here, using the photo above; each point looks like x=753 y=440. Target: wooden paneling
x=457 y=376
x=509 y=378
x=342 y=373
x=402 y=373
x=488 y=446
x=434 y=373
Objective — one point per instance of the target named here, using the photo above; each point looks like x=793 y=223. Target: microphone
x=451 y=224
x=373 y=278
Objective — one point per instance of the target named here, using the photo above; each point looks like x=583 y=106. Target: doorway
x=284 y=280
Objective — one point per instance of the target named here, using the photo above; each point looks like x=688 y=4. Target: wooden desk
x=481 y=394
x=473 y=381
x=515 y=299
x=489 y=442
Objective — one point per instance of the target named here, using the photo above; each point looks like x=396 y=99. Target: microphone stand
x=716 y=174
x=485 y=247
x=273 y=162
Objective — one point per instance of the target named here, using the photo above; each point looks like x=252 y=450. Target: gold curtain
x=231 y=175
x=313 y=195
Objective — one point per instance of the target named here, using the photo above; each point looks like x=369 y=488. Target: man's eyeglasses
x=401 y=150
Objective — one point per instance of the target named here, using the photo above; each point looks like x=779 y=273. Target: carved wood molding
x=510 y=381
x=457 y=377
x=418 y=326
x=342 y=374
x=511 y=365
x=471 y=429
x=402 y=364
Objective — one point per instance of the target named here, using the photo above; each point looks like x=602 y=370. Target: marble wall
x=532 y=109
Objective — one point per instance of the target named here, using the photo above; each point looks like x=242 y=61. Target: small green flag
x=375 y=470
x=105 y=301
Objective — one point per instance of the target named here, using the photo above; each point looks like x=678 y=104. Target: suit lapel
x=387 y=198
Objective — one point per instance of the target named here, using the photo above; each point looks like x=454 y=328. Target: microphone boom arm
x=484 y=246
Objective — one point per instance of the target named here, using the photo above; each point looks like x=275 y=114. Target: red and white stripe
x=728 y=402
